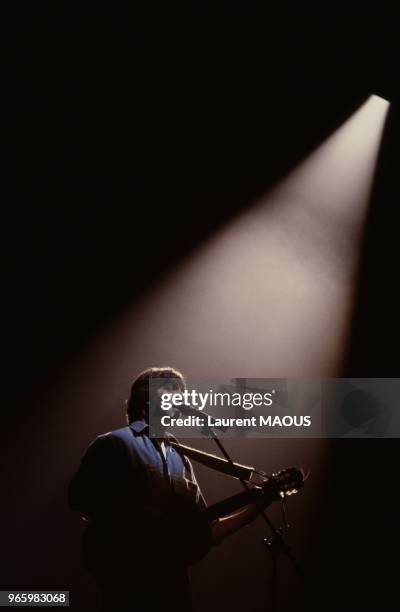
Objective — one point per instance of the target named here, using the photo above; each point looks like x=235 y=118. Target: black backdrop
x=121 y=126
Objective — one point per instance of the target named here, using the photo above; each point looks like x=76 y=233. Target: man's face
x=169 y=387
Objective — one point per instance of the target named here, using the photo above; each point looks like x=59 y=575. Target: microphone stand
x=276 y=544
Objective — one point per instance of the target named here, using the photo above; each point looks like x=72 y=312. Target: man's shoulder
x=122 y=433
x=111 y=438
x=112 y=445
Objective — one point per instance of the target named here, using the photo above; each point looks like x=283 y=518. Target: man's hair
x=137 y=404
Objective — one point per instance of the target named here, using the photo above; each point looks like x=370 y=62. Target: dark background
x=131 y=138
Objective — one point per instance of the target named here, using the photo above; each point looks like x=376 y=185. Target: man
x=143 y=509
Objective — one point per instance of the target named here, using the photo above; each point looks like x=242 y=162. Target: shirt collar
x=139 y=426
x=142 y=428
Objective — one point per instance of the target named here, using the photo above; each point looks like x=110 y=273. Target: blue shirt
x=145 y=525
x=125 y=479
x=166 y=471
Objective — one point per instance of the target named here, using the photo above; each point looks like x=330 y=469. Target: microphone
x=188 y=410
